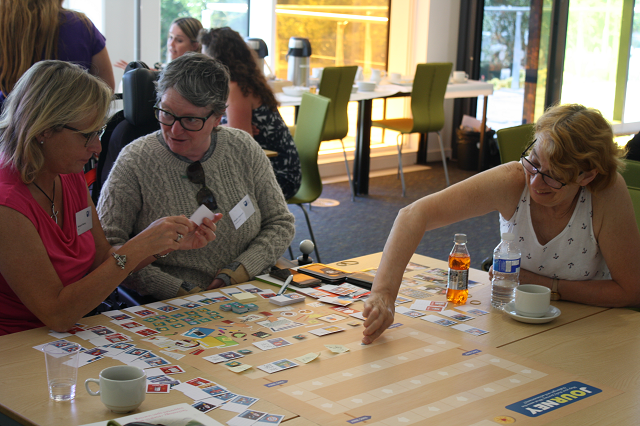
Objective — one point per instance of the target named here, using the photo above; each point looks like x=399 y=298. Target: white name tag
x=242 y=211
x=84 y=220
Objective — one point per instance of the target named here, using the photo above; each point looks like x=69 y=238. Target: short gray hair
x=200 y=79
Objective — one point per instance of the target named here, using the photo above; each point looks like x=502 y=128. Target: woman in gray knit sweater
x=189 y=162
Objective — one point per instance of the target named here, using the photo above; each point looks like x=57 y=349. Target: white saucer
x=551 y=314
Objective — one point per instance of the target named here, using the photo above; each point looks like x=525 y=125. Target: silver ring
x=179 y=237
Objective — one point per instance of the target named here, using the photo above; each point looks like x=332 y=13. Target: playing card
x=200 y=213
x=326 y=330
x=456 y=315
x=274 y=367
x=471 y=330
x=438 y=320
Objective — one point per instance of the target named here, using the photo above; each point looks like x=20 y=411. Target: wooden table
x=594 y=344
x=362 y=155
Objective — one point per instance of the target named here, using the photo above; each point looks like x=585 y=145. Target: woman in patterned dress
x=566 y=203
x=252 y=107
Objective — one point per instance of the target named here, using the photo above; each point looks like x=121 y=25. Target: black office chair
x=136 y=120
x=139 y=97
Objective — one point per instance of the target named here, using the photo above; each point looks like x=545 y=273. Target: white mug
x=460 y=76
x=122 y=388
x=316 y=73
x=395 y=77
x=532 y=300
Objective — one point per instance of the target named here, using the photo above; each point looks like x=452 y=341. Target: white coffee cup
x=316 y=73
x=395 y=77
x=122 y=388
x=460 y=76
x=532 y=300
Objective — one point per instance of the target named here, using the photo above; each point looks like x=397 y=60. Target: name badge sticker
x=84 y=220
x=242 y=211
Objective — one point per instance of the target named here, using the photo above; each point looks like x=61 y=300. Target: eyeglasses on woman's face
x=88 y=136
x=534 y=170
x=192 y=124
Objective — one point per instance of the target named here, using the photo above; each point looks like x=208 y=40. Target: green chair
x=631 y=173
x=513 y=140
x=336 y=84
x=427 y=109
x=311 y=121
x=635 y=199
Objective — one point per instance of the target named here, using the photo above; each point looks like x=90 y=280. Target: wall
x=118 y=25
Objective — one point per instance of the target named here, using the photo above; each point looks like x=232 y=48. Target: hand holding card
x=204 y=233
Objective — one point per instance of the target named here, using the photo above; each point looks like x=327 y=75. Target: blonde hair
x=49 y=95
x=28 y=33
x=578 y=139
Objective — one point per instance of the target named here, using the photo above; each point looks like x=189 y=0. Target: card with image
x=408 y=312
x=162 y=307
x=239 y=404
x=471 y=330
x=247 y=418
x=158 y=388
x=223 y=357
x=472 y=310
x=117 y=315
x=205 y=405
x=438 y=320
x=456 y=315
x=326 y=330
x=274 y=367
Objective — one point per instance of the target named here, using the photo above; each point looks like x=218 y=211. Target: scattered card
x=326 y=330
x=438 y=320
x=471 y=330
x=456 y=315
x=274 y=367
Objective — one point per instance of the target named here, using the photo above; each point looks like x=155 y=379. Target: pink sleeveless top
x=70 y=254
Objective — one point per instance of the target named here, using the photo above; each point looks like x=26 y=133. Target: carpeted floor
x=359 y=228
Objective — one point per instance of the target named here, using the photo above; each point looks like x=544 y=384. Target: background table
x=597 y=344
x=362 y=161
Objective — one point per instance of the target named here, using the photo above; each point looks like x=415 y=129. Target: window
x=346 y=32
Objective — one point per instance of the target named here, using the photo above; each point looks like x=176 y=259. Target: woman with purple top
x=48 y=31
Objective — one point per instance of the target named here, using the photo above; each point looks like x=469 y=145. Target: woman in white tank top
x=565 y=201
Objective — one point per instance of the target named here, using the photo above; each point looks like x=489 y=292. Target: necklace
x=54 y=213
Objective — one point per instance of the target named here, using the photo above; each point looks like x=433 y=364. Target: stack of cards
x=287 y=299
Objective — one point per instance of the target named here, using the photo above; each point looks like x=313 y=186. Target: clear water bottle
x=506 y=270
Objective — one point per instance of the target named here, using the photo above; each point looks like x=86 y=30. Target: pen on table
x=285 y=285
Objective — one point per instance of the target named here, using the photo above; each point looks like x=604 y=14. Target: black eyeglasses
x=529 y=167
x=90 y=135
x=195 y=174
x=192 y=124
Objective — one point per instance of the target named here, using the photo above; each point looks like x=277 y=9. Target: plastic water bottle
x=459 y=263
x=506 y=270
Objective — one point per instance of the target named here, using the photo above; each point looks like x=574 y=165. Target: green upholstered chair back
x=427 y=96
x=631 y=173
x=635 y=199
x=513 y=140
x=336 y=84
x=311 y=121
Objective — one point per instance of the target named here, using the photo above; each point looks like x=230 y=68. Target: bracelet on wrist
x=121 y=260
x=161 y=256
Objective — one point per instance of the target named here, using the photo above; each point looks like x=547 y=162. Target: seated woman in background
x=55 y=262
x=60 y=34
x=252 y=105
x=192 y=161
x=182 y=38
x=564 y=200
